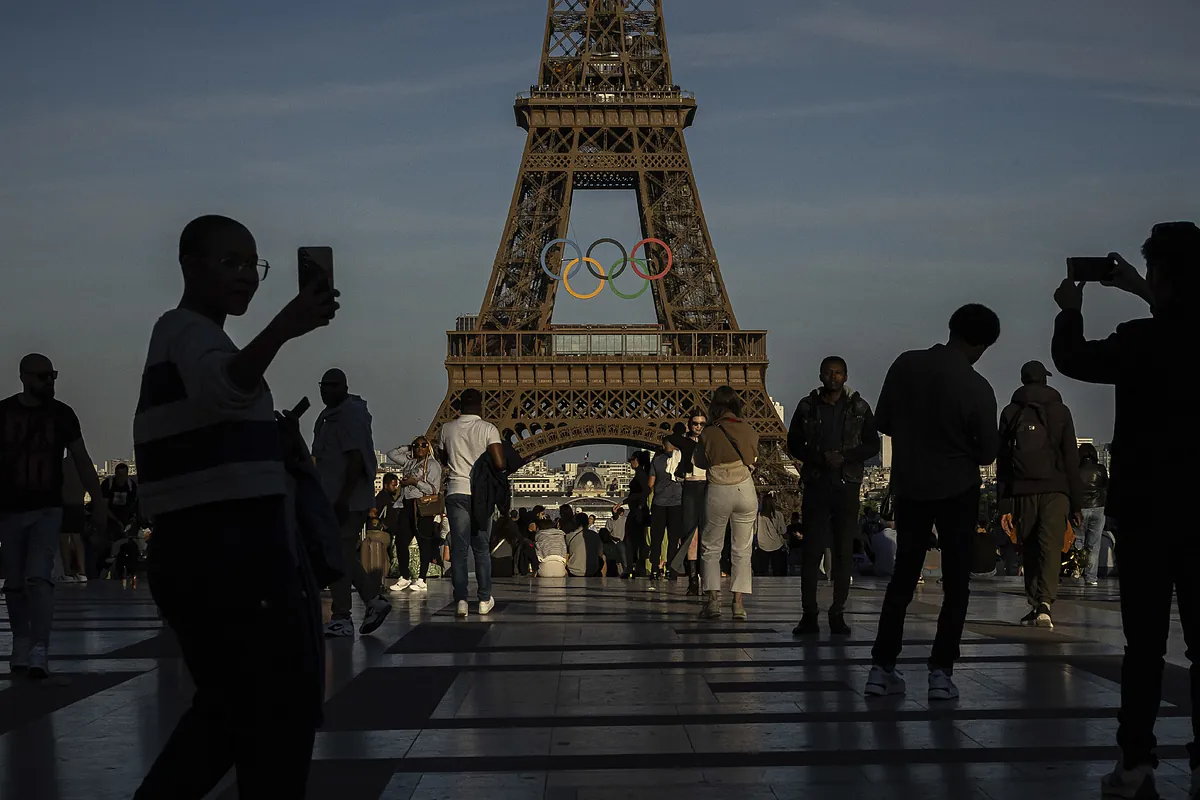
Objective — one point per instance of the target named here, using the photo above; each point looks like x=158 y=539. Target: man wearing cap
x=1038 y=483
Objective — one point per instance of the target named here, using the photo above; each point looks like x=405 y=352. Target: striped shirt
x=199 y=439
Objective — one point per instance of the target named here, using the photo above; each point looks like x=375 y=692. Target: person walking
x=462 y=442
x=941 y=415
x=833 y=434
x=1094 y=479
x=728 y=451
x=1150 y=472
x=36 y=429
x=251 y=637
x=1038 y=483
x=344 y=453
x=420 y=499
x=666 y=510
x=639 y=515
x=695 y=486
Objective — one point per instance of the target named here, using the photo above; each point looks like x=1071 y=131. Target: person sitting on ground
x=551 y=546
x=592 y=545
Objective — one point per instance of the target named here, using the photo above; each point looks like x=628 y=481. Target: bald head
x=334 y=387
x=37 y=377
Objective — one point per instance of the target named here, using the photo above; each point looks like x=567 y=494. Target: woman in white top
x=420 y=477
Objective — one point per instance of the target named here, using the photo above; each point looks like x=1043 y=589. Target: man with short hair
x=224 y=569
x=462 y=442
x=1037 y=483
x=833 y=435
x=35 y=430
x=1151 y=470
x=121 y=493
x=344 y=453
x=941 y=415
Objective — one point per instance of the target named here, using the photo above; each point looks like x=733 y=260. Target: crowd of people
x=232 y=489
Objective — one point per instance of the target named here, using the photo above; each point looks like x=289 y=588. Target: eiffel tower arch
x=606 y=114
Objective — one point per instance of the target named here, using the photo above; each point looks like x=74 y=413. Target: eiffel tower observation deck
x=606 y=114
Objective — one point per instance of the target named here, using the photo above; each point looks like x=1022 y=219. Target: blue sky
x=865 y=167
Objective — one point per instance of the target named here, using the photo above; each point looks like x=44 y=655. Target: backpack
x=1031 y=448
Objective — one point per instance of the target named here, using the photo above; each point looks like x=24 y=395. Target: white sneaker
x=883 y=682
x=1043 y=619
x=377 y=611
x=419 y=586
x=81 y=578
x=67 y=579
x=941 y=687
x=486 y=606
x=19 y=660
x=336 y=628
x=1131 y=784
x=39 y=668
x=462 y=609
x=400 y=585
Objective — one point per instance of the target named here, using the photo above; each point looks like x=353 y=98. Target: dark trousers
x=668 y=521
x=694 y=493
x=1154 y=560
x=955 y=518
x=774 y=563
x=227 y=583
x=830 y=520
x=635 y=539
x=356 y=577
x=1040 y=521
x=411 y=525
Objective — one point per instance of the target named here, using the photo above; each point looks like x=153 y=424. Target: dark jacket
x=490 y=490
x=1150 y=453
x=1032 y=404
x=859 y=438
x=1094 y=478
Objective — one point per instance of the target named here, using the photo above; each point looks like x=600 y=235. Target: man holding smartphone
x=223 y=567
x=1150 y=473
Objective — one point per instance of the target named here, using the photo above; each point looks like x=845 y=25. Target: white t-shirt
x=465 y=440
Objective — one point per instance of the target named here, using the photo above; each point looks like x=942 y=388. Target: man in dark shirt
x=1151 y=469
x=121 y=493
x=941 y=415
x=35 y=429
x=833 y=434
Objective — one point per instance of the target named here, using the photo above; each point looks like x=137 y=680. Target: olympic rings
x=571 y=268
x=566 y=279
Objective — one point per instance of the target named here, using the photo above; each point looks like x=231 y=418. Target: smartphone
x=315 y=265
x=301 y=408
x=1090 y=268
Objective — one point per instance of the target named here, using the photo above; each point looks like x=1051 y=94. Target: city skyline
x=864 y=171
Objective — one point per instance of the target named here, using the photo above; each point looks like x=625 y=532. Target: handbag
x=430 y=505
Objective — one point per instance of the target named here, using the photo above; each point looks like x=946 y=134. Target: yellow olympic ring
x=567 y=284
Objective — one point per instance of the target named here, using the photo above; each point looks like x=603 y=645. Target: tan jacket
x=728 y=449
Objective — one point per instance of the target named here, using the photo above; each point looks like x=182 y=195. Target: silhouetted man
x=1151 y=470
x=344 y=452
x=1037 y=483
x=833 y=434
x=941 y=415
x=35 y=430
x=462 y=442
x=223 y=567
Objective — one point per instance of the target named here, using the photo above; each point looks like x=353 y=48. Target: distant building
x=779 y=410
x=537 y=478
x=885 y=451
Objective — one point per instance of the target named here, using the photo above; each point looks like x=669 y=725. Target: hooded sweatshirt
x=1056 y=417
x=341 y=429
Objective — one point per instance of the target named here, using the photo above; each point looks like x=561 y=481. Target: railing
x=601 y=96
x=601 y=344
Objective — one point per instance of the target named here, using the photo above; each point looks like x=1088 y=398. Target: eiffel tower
x=606 y=114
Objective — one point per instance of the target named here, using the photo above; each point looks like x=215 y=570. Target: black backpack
x=1031 y=447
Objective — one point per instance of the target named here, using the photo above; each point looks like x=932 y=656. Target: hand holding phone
x=301 y=408
x=315 y=265
x=1091 y=269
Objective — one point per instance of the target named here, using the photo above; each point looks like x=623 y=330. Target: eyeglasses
x=235 y=264
x=699 y=423
x=44 y=375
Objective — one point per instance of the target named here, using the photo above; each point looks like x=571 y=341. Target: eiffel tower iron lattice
x=606 y=114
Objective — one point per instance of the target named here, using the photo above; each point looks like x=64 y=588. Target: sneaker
x=337 y=628
x=739 y=610
x=808 y=626
x=419 y=586
x=19 y=660
x=712 y=605
x=1093 y=582
x=462 y=609
x=883 y=682
x=400 y=585
x=486 y=606
x=941 y=687
x=1132 y=784
x=67 y=579
x=1030 y=618
x=81 y=578
x=39 y=668
x=377 y=611
x=1042 y=620
x=838 y=626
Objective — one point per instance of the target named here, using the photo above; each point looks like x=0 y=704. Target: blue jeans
x=462 y=539
x=29 y=540
x=1088 y=538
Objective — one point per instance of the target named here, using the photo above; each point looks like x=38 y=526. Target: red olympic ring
x=638 y=272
